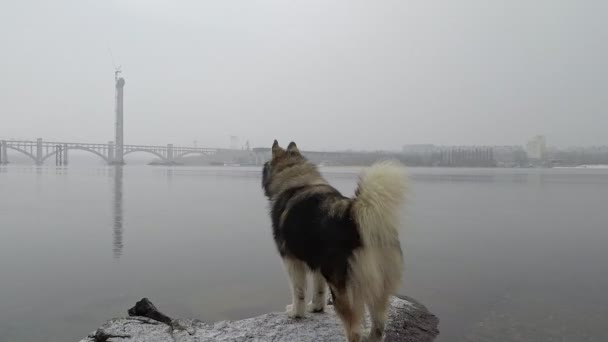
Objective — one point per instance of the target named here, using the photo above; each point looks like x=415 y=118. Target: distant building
x=458 y=156
x=536 y=148
x=510 y=156
x=419 y=149
x=576 y=156
x=464 y=156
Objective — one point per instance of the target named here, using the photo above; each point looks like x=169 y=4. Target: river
x=496 y=254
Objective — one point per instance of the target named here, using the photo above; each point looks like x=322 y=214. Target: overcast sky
x=327 y=74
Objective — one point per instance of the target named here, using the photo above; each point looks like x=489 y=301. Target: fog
x=499 y=242
x=327 y=74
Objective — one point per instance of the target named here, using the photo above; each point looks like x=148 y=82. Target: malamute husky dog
x=351 y=244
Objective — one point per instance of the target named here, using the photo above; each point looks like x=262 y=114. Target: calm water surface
x=498 y=255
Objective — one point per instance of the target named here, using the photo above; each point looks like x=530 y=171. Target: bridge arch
x=78 y=148
x=48 y=155
x=147 y=151
x=33 y=157
x=202 y=153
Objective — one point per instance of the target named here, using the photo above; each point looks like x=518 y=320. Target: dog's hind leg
x=319 y=296
x=296 y=270
x=350 y=311
x=378 y=310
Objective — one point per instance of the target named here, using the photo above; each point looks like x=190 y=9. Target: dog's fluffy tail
x=379 y=196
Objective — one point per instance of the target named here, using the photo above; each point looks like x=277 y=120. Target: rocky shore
x=408 y=321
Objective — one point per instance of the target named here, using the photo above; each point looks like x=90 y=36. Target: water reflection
x=117 y=211
x=169 y=174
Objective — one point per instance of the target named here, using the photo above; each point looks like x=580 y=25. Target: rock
x=145 y=308
x=408 y=321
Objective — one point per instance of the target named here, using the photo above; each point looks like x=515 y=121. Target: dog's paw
x=310 y=307
x=292 y=313
x=372 y=338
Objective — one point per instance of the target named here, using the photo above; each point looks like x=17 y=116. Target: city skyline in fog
x=327 y=74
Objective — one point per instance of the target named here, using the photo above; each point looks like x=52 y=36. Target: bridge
x=112 y=153
x=40 y=151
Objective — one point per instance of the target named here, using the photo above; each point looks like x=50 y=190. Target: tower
x=120 y=84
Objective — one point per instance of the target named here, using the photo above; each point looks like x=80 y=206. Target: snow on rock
x=408 y=321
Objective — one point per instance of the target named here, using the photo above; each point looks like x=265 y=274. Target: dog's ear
x=292 y=148
x=276 y=149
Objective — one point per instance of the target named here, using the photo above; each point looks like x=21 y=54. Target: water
x=498 y=255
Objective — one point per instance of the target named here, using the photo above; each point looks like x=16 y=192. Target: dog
x=350 y=245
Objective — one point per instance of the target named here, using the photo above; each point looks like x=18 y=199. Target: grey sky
x=327 y=74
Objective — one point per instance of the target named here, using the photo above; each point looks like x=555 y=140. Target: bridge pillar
x=3 y=155
x=39 y=151
x=65 y=154
x=58 y=155
x=110 y=152
x=169 y=153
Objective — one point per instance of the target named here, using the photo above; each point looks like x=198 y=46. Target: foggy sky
x=327 y=74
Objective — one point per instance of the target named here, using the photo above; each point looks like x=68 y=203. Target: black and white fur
x=350 y=244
